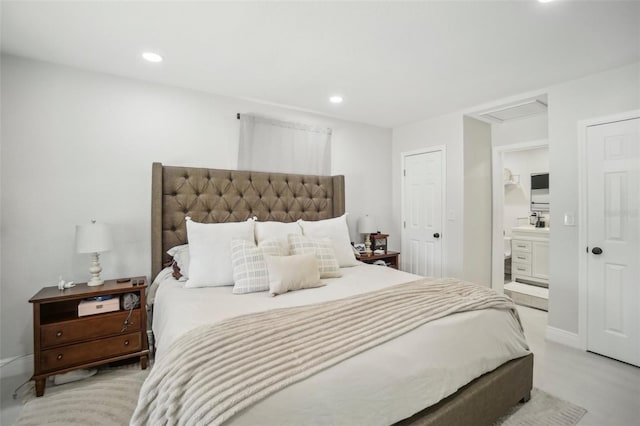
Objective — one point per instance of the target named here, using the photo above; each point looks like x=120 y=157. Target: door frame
x=443 y=179
x=497 y=190
x=583 y=125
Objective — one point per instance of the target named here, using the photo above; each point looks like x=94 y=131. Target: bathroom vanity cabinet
x=530 y=255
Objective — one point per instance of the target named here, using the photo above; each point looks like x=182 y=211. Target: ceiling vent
x=513 y=112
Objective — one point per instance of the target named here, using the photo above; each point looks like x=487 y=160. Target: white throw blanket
x=214 y=371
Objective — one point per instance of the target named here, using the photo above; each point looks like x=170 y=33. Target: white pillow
x=249 y=267
x=322 y=249
x=210 y=251
x=338 y=231
x=289 y=273
x=180 y=255
x=276 y=231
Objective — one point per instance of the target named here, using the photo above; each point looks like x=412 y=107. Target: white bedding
x=381 y=386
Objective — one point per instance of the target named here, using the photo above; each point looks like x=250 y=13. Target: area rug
x=106 y=399
x=543 y=410
x=109 y=398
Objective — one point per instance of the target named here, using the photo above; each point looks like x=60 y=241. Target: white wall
x=477 y=202
x=444 y=130
x=78 y=145
x=594 y=96
x=517 y=197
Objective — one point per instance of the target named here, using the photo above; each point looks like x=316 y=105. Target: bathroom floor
x=528 y=295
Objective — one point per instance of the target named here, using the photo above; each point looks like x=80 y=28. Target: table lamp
x=93 y=238
x=367 y=225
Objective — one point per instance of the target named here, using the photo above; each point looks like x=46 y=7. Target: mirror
x=539 y=192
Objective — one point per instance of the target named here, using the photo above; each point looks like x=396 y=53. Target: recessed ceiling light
x=336 y=99
x=152 y=57
x=545 y=1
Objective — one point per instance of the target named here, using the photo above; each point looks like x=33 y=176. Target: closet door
x=422 y=221
x=613 y=226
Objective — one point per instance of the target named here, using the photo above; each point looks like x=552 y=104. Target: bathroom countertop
x=530 y=229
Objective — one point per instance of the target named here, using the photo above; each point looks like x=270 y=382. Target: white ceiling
x=394 y=62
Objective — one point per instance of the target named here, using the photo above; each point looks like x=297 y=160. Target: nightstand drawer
x=68 y=356
x=88 y=328
x=520 y=257
x=520 y=268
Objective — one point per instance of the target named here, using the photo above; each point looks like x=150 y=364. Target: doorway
x=423 y=201
x=517 y=125
x=527 y=257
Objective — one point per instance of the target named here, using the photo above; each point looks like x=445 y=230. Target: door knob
x=436 y=235
x=596 y=250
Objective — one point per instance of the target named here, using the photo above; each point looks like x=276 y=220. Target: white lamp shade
x=93 y=238
x=367 y=225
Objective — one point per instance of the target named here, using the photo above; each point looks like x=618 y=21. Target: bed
x=405 y=380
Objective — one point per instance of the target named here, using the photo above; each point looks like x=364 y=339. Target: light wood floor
x=608 y=389
x=13 y=375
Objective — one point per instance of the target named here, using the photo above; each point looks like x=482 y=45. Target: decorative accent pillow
x=338 y=231
x=273 y=248
x=249 y=267
x=181 y=260
x=322 y=249
x=290 y=273
x=277 y=231
x=210 y=251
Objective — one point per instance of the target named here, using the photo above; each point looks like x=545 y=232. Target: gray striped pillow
x=249 y=268
x=322 y=248
x=273 y=247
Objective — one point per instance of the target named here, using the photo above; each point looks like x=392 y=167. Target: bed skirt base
x=482 y=401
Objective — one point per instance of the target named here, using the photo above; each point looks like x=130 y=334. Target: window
x=270 y=145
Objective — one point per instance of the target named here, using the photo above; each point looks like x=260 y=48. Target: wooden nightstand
x=391 y=258
x=63 y=341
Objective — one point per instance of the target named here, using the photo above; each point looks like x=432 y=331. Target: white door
x=613 y=227
x=422 y=237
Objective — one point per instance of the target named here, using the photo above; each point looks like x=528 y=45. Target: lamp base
x=367 y=245
x=95 y=270
x=94 y=282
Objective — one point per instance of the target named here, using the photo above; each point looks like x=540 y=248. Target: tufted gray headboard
x=214 y=196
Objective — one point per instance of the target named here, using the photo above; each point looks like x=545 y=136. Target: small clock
x=379 y=242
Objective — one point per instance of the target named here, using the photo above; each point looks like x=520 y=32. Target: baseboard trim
x=563 y=337
x=16 y=366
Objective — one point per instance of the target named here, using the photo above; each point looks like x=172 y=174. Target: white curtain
x=270 y=145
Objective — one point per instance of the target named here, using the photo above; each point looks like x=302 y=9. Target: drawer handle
x=520 y=257
x=59 y=357
x=521 y=269
x=59 y=334
x=126 y=343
